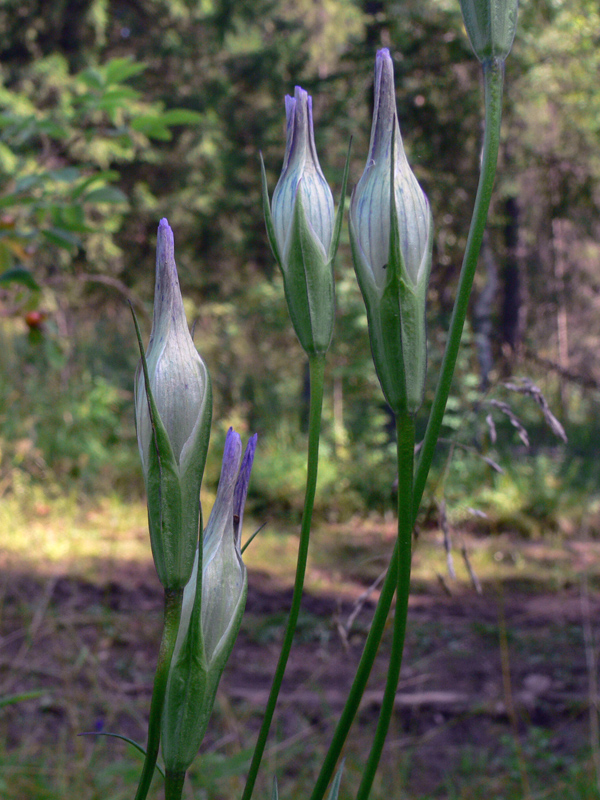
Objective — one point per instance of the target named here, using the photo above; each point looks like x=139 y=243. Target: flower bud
x=391 y=237
x=490 y=25
x=302 y=177
x=211 y=614
x=173 y=424
x=302 y=230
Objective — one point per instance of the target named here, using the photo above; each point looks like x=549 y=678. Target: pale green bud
x=391 y=236
x=211 y=614
x=173 y=428
x=491 y=26
x=302 y=177
x=302 y=229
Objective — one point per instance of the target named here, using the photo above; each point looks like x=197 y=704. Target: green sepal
x=412 y=298
x=267 y=213
x=491 y=26
x=335 y=786
x=191 y=470
x=183 y=720
x=193 y=680
x=339 y=217
x=308 y=283
x=164 y=494
x=383 y=316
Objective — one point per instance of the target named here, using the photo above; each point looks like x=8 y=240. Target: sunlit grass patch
x=60 y=534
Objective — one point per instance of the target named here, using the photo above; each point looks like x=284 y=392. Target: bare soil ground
x=479 y=670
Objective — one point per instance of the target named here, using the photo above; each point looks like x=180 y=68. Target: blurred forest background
x=114 y=113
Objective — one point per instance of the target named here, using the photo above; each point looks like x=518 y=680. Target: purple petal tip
x=232 y=454
x=241 y=486
x=165 y=236
x=301 y=95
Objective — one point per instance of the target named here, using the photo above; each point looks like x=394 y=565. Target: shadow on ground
x=503 y=671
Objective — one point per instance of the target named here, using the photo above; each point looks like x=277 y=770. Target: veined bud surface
x=173 y=424
x=491 y=26
x=391 y=236
x=211 y=613
x=302 y=229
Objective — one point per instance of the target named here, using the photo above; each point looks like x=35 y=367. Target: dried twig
x=472 y=574
x=527 y=387
x=344 y=630
x=514 y=420
x=492 y=428
x=445 y=526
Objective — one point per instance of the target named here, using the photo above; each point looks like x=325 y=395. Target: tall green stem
x=174 y=785
x=493 y=76
x=317 y=370
x=173 y=601
x=405 y=432
x=493 y=81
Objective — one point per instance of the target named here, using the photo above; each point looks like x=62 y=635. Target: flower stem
x=493 y=76
x=173 y=599
x=317 y=370
x=405 y=430
x=493 y=81
x=174 y=785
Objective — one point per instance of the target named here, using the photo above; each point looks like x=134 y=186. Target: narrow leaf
x=335 y=786
x=337 y=228
x=267 y=213
x=105 y=194
x=152 y=126
x=120 y=69
x=181 y=116
x=10 y=699
x=104 y=175
x=251 y=539
x=22 y=277
x=61 y=238
x=137 y=746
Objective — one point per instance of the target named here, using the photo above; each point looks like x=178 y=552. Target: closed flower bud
x=301 y=178
x=391 y=237
x=211 y=614
x=302 y=229
x=173 y=425
x=491 y=26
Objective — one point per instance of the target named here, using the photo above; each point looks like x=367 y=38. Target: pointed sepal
x=267 y=213
x=339 y=217
x=335 y=786
x=162 y=486
x=308 y=284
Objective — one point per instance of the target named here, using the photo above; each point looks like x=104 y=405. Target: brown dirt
x=476 y=668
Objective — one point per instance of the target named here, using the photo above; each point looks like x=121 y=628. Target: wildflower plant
x=204 y=578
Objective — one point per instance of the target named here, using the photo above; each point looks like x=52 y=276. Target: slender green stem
x=405 y=430
x=493 y=80
x=493 y=76
x=174 y=785
x=173 y=599
x=360 y=680
x=317 y=370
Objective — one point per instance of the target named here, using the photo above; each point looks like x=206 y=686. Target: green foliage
x=111 y=117
x=63 y=141
x=61 y=430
